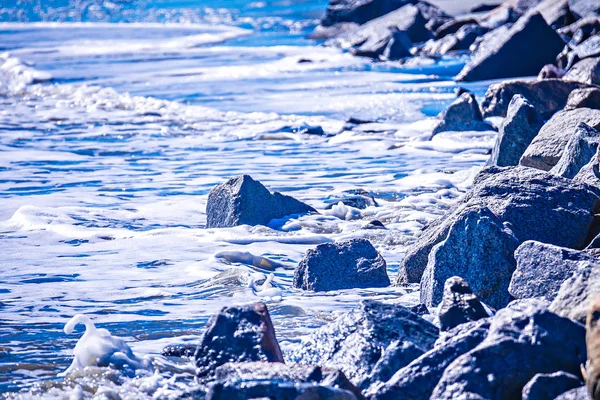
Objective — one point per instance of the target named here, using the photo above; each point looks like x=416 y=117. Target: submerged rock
x=521 y=125
x=585 y=71
x=584 y=98
x=577 y=293
x=237 y=334
x=242 y=200
x=580 y=149
x=459 y=304
x=462 y=115
x=345 y=265
x=461 y=40
x=521 y=51
x=549 y=386
x=453 y=26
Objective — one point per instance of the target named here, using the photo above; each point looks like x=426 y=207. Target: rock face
x=585 y=71
x=582 y=8
x=357 y=342
x=548 y=146
x=398 y=47
x=593 y=349
x=478 y=247
x=590 y=174
x=521 y=125
x=344 y=265
x=357 y=198
x=461 y=40
x=522 y=51
x=237 y=334
x=459 y=304
x=576 y=293
x=584 y=98
x=547 y=96
x=580 y=149
x=524 y=339
x=542 y=268
x=516 y=195
x=276 y=380
x=550 y=386
x=242 y=200
x=462 y=115
x=575 y=394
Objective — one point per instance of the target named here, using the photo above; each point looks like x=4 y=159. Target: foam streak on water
x=111 y=138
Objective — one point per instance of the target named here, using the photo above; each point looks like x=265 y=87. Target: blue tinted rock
x=459 y=304
x=398 y=46
x=550 y=386
x=580 y=393
x=577 y=293
x=462 y=115
x=580 y=149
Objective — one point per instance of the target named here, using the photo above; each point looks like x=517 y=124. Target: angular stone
x=522 y=51
x=586 y=49
x=585 y=71
x=344 y=265
x=242 y=200
x=459 y=304
x=584 y=98
x=580 y=393
x=577 y=293
x=550 y=386
x=521 y=125
x=461 y=40
x=358 y=340
x=548 y=146
x=590 y=174
x=580 y=149
x=237 y=334
x=398 y=46
x=583 y=8
x=453 y=26
x=462 y=115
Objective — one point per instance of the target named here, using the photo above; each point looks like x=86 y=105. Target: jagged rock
x=521 y=125
x=237 y=334
x=453 y=26
x=575 y=394
x=556 y=12
x=523 y=50
x=479 y=248
x=592 y=367
x=583 y=8
x=542 y=269
x=356 y=342
x=242 y=200
x=357 y=198
x=590 y=173
x=484 y=7
x=585 y=71
x=584 y=98
x=550 y=71
x=417 y=380
x=549 y=386
x=524 y=339
x=462 y=115
x=398 y=46
x=516 y=195
x=581 y=30
x=548 y=146
x=375 y=224
x=580 y=149
x=345 y=265
x=458 y=41
x=179 y=350
x=586 y=49
x=577 y=292
x=459 y=304
x=277 y=380
x=547 y=96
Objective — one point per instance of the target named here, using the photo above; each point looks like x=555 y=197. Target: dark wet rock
x=524 y=340
x=375 y=224
x=179 y=350
x=358 y=341
x=547 y=96
x=580 y=149
x=462 y=115
x=580 y=393
x=459 y=304
x=279 y=381
x=484 y=7
x=345 y=265
x=303 y=128
x=453 y=26
x=417 y=380
x=542 y=269
x=584 y=98
x=516 y=195
x=550 y=71
x=577 y=293
x=548 y=146
x=592 y=367
x=479 y=248
x=549 y=386
x=521 y=51
x=585 y=71
x=237 y=334
x=357 y=198
x=521 y=125
x=398 y=46
x=583 y=8
x=242 y=200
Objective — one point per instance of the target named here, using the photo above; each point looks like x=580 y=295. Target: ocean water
x=118 y=117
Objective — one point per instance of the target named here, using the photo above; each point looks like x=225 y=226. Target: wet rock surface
x=459 y=304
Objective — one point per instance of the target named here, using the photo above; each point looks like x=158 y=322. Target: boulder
x=525 y=339
x=580 y=393
x=583 y=8
x=586 y=49
x=277 y=380
x=585 y=71
x=480 y=249
x=357 y=198
x=237 y=334
x=179 y=350
x=580 y=149
x=398 y=46
x=550 y=386
x=357 y=341
x=243 y=201
x=459 y=304
x=453 y=26
x=551 y=71
x=547 y=96
x=556 y=12
x=548 y=146
x=592 y=339
x=577 y=293
x=542 y=269
x=344 y=265
x=521 y=125
x=584 y=98
x=462 y=115
x=590 y=174
x=459 y=41
x=521 y=51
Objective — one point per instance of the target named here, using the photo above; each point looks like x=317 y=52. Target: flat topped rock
x=244 y=201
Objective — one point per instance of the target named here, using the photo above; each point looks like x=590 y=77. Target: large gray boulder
x=237 y=334
x=344 y=265
x=548 y=146
x=542 y=269
x=459 y=304
x=524 y=340
x=243 y=201
x=580 y=149
x=480 y=249
x=550 y=386
x=585 y=71
x=357 y=342
x=521 y=51
x=584 y=98
x=577 y=292
x=521 y=125
x=462 y=115
x=547 y=96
